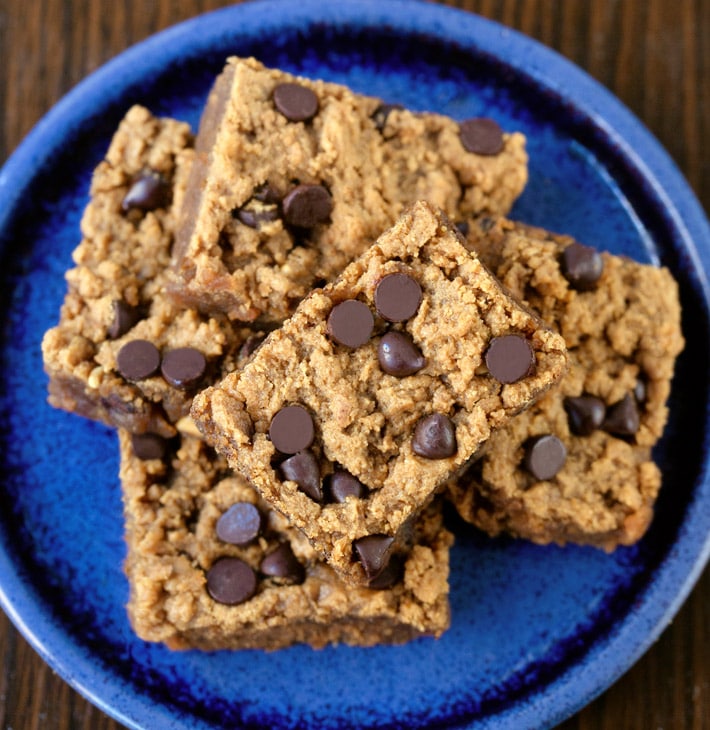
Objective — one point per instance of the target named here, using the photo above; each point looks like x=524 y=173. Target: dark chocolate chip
x=545 y=456
x=138 y=359
x=303 y=469
x=397 y=297
x=266 y=194
x=482 y=136
x=373 y=552
x=434 y=437
x=282 y=563
x=343 y=485
x=148 y=191
x=585 y=414
x=510 y=358
x=148 y=446
x=250 y=346
x=231 y=581
x=622 y=418
x=240 y=524
x=124 y=317
x=254 y=216
x=297 y=103
x=398 y=355
x=292 y=429
x=463 y=228
x=380 y=115
x=350 y=323
x=391 y=574
x=183 y=367
x=307 y=205
x=581 y=266
x=640 y=391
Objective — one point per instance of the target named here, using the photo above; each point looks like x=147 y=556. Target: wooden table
x=653 y=54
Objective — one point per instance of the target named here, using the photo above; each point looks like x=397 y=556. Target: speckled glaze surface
x=537 y=632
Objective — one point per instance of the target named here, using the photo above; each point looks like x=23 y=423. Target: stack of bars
x=311 y=324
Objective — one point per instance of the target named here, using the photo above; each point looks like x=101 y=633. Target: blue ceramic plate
x=537 y=632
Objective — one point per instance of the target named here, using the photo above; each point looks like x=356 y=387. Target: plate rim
x=678 y=571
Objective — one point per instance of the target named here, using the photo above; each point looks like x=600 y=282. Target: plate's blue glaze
x=537 y=632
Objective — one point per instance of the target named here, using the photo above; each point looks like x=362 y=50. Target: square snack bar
x=295 y=178
x=123 y=352
x=382 y=384
x=577 y=465
x=211 y=566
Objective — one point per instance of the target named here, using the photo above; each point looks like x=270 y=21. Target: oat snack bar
x=351 y=415
x=295 y=178
x=212 y=566
x=123 y=352
x=577 y=465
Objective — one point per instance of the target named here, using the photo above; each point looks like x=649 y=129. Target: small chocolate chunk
x=251 y=345
x=138 y=359
x=292 y=429
x=231 y=581
x=641 y=391
x=350 y=323
x=124 y=317
x=482 y=136
x=297 y=103
x=240 y=524
x=581 y=266
x=254 y=216
x=545 y=456
x=464 y=228
x=398 y=355
x=397 y=297
x=434 y=437
x=380 y=115
x=343 y=485
x=148 y=191
x=585 y=414
x=510 y=358
x=183 y=367
x=307 y=205
x=373 y=552
x=303 y=469
x=391 y=574
x=622 y=418
x=282 y=563
x=148 y=446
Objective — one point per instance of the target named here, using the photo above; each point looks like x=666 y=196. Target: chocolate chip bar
x=294 y=178
x=124 y=353
x=577 y=466
x=212 y=566
x=383 y=383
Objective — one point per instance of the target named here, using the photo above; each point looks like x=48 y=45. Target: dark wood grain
x=653 y=54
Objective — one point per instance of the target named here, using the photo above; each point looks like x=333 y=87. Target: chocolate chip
x=581 y=266
x=297 y=103
x=282 y=563
x=266 y=194
x=585 y=414
x=240 y=524
x=373 y=552
x=641 y=391
x=124 y=317
x=148 y=191
x=343 y=485
x=183 y=367
x=148 y=446
x=307 y=205
x=231 y=581
x=292 y=429
x=251 y=345
x=350 y=323
x=391 y=574
x=398 y=355
x=303 y=469
x=482 y=136
x=545 y=456
x=622 y=418
x=254 y=216
x=138 y=359
x=434 y=437
x=510 y=358
x=463 y=227
x=380 y=115
x=397 y=297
